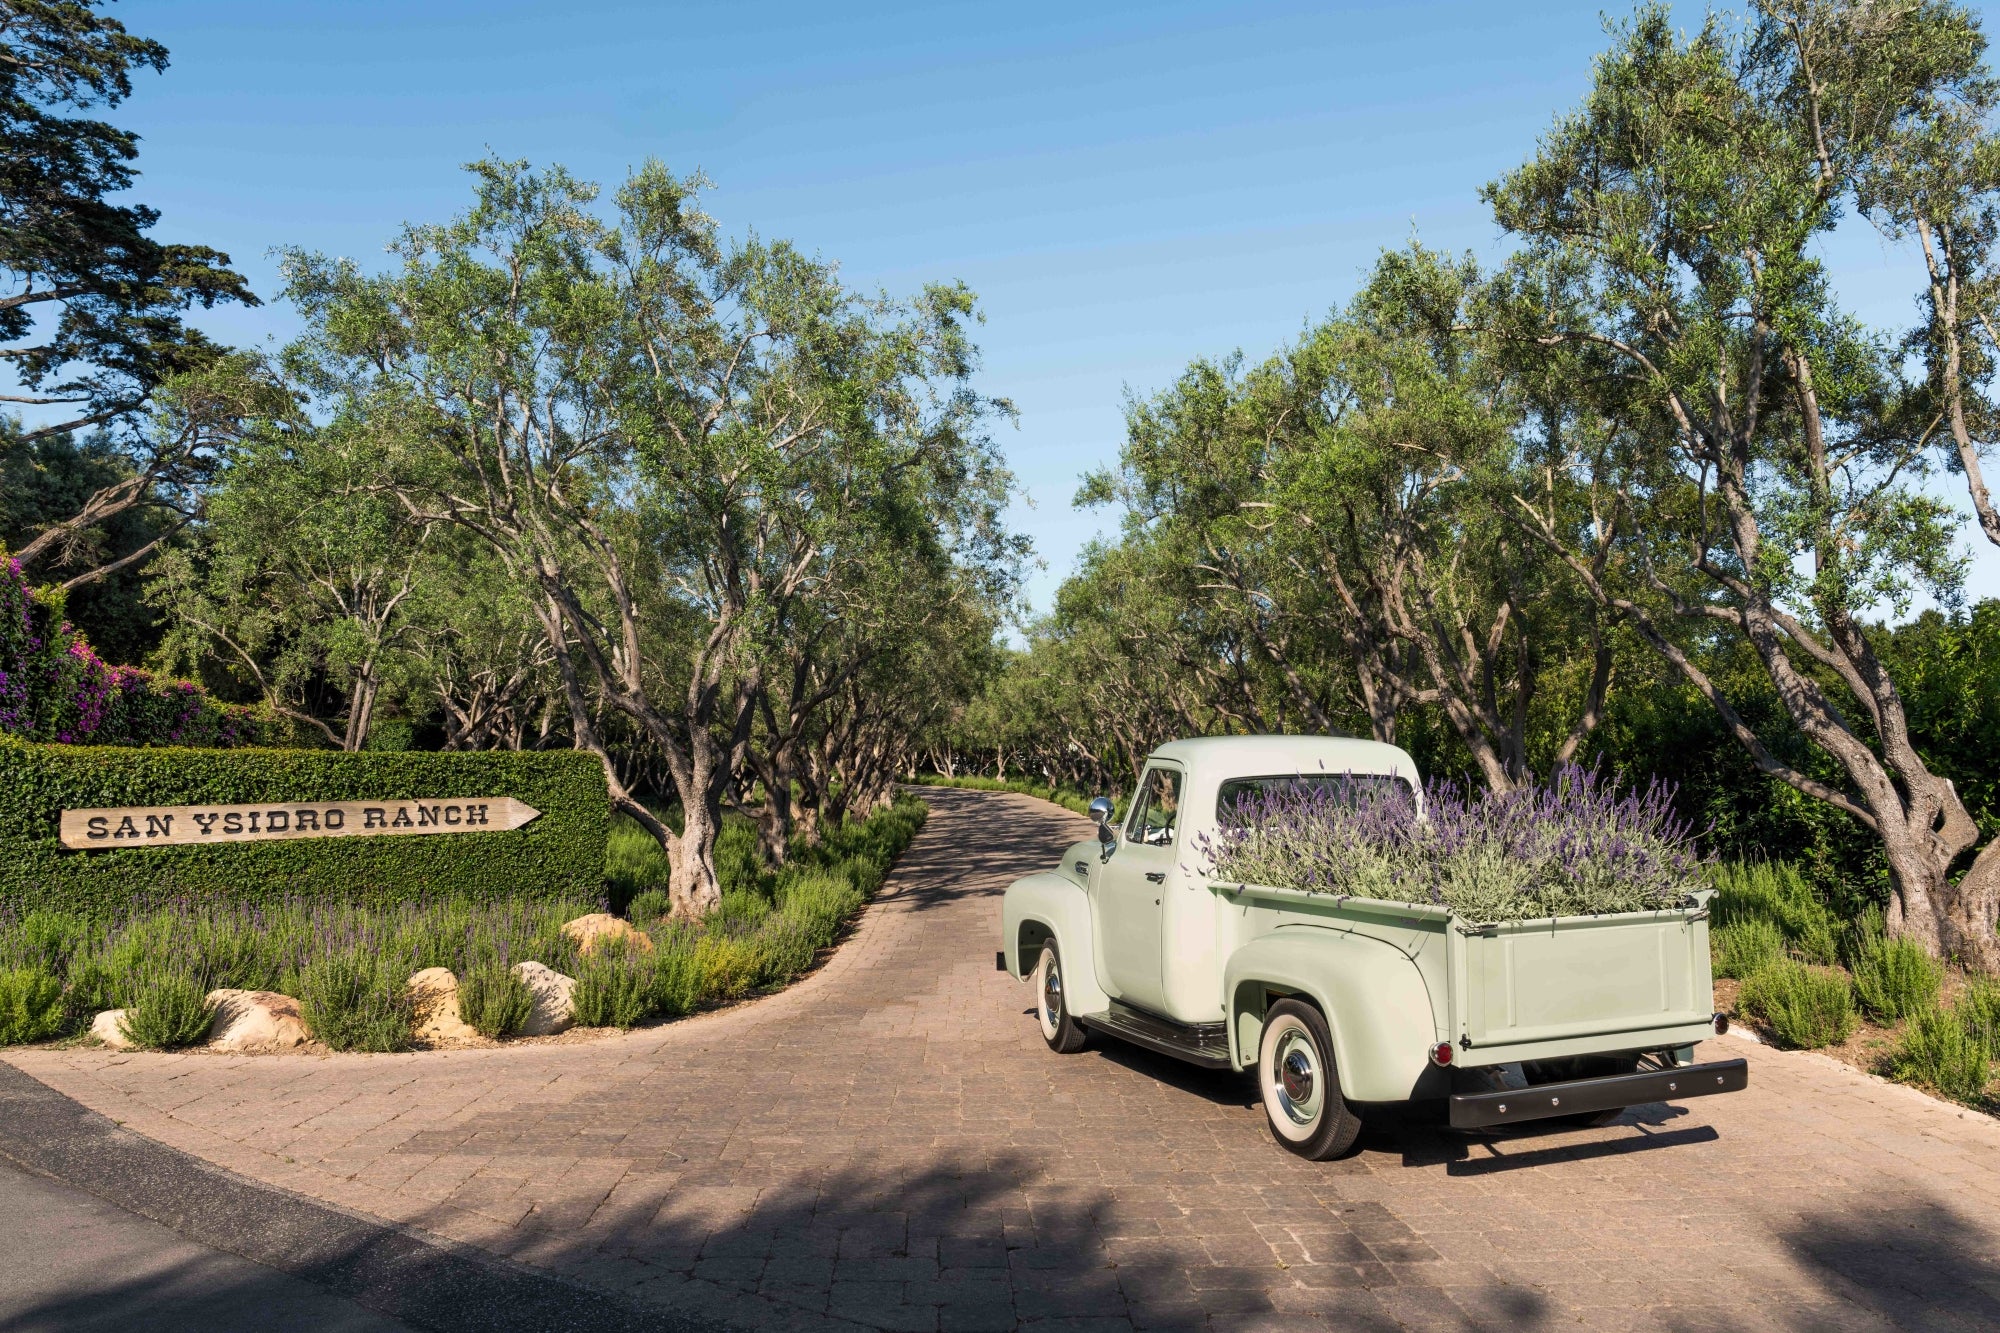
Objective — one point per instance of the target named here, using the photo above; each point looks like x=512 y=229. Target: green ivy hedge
x=559 y=855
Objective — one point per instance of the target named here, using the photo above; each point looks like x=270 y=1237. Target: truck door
x=1131 y=885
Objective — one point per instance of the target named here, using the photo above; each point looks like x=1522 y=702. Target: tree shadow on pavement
x=1917 y=1266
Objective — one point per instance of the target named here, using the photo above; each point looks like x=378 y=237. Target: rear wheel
x=1301 y=1087
x=1059 y=1027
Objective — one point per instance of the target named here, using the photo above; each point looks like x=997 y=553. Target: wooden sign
x=183 y=825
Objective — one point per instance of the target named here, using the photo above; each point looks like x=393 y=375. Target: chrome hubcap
x=1299 y=1086
x=1052 y=995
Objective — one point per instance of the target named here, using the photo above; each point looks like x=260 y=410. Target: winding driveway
x=889 y=1145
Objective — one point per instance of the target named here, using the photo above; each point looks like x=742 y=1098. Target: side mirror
x=1100 y=810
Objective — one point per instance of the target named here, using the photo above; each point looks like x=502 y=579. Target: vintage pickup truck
x=1345 y=1004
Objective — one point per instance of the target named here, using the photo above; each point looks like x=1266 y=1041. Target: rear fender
x=1374 y=999
x=1053 y=906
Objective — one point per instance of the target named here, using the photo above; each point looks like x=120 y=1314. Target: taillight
x=1720 y=1023
x=1441 y=1053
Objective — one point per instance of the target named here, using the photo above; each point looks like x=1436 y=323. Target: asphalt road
x=75 y=1262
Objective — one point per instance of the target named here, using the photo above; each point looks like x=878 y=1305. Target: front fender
x=1052 y=905
x=1374 y=999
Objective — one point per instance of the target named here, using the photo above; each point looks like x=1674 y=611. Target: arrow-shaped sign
x=185 y=825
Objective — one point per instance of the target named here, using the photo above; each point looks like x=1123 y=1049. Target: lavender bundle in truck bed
x=1577 y=846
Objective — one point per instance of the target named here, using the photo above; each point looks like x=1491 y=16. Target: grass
x=349 y=966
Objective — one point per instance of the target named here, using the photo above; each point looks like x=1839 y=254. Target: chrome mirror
x=1100 y=810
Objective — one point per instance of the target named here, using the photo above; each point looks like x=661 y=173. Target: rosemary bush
x=1805 y=1006
x=1939 y=1053
x=1577 y=846
x=1895 y=978
x=493 y=1001
x=31 y=1005
x=1745 y=948
x=167 y=1006
x=353 y=1001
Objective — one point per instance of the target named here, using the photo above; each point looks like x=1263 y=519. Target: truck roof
x=1270 y=756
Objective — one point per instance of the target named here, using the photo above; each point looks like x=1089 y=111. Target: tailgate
x=1583 y=976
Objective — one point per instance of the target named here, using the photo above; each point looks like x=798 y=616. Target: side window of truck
x=1156 y=814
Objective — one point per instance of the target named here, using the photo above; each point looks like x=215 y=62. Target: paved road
x=75 y=1262
x=888 y=1145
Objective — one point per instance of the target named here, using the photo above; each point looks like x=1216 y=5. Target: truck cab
x=1341 y=1003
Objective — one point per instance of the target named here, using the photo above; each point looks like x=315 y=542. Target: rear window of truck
x=1240 y=794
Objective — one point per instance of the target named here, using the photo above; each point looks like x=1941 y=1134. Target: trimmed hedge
x=559 y=855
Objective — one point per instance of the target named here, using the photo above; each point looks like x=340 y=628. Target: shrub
x=166 y=1007
x=558 y=855
x=1745 y=948
x=1575 y=846
x=1895 y=978
x=356 y=1002
x=675 y=977
x=1939 y=1053
x=1978 y=1010
x=1775 y=892
x=1805 y=1006
x=31 y=1006
x=613 y=990
x=648 y=906
x=493 y=1001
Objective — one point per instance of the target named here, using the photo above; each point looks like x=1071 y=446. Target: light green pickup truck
x=1343 y=1003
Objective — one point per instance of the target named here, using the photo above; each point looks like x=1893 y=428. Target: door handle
x=1156 y=877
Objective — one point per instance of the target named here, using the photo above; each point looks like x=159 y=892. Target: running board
x=1204 y=1044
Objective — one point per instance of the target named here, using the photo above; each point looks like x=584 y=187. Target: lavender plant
x=1577 y=846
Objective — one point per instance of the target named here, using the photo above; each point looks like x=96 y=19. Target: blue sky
x=1125 y=186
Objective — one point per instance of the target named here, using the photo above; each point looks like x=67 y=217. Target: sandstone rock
x=107 y=1028
x=434 y=997
x=551 y=989
x=602 y=930
x=255 y=1020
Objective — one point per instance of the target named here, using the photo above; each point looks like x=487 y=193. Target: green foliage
x=1777 y=894
x=31 y=1005
x=1895 y=978
x=166 y=1007
x=1978 y=1010
x=648 y=906
x=356 y=1001
x=613 y=991
x=1746 y=948
x=1938 y=1052
x=494 y=1001
x=559 y=855
x=1805 y=1006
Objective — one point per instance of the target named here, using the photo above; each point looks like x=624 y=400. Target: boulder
x=601 y=930
x=255 y=1020
x=108 y=1027
x=551 y=989
x=434 y=1000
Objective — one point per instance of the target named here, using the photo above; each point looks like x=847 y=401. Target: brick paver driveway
x=890 y=1144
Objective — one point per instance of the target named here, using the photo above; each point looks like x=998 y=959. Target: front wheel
x=1301 y=1086
x=1060 y=1029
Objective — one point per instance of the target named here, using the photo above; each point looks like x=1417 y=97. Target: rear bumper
x=1584 y=1096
